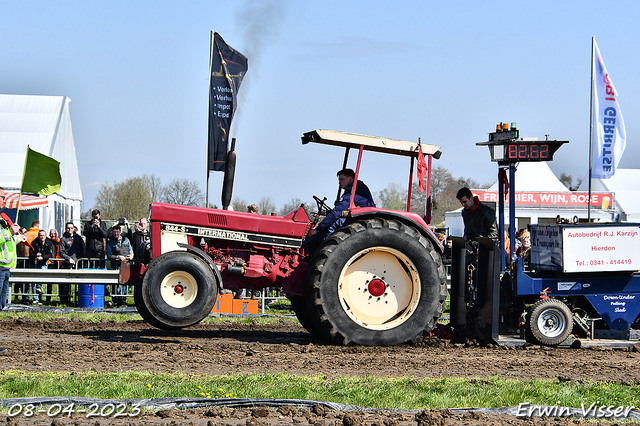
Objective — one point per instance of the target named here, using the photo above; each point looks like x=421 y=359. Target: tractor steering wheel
x=323 y=208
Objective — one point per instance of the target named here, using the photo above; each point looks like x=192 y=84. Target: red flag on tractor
x=422 y=168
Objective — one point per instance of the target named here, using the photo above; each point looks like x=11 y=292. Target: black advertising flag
x=228 y=67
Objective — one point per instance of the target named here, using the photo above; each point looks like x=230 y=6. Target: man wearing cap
x=9 y=236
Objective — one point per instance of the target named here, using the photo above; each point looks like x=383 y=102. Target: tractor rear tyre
x=178 y=290
x=550 y=322
x=300 y=307
x=376 y=282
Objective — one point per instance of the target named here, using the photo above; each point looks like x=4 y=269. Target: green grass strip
x=406 y=393
x=94 y=317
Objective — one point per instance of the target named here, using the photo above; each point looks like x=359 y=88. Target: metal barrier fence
x=27 y=281
x=55 y=263
x=270 y=295
x=87 y=271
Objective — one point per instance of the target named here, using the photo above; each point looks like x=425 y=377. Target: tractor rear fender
x=408 y=218
x=209 y=261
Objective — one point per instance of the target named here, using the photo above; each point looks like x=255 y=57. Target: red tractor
x=377 y=280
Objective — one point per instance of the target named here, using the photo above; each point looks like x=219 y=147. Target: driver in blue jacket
x=334 y=219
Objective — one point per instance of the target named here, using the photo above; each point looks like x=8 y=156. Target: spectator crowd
x=98 y=247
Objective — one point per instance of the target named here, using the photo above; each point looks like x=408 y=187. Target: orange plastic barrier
x=223 y=304
x=245 y=306
x=226 y=304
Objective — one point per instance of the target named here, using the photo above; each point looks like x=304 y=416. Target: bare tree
x=418 y=199
x=441 y=182
x=444 y=187
x=156 y=190
x=293 y=205
x=183 y=192
x=106 y=201
x=393 y=197
x=443 y=190
x=578 y=183
x=239 y=204
x=266 y=206
x=129 y=198
x=567 y=180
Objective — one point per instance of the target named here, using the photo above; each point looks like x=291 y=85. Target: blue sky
x=447 y=72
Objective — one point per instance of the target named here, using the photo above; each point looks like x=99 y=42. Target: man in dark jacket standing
x=71 y=249
x=40 y=253
x=139 y=238
x=479 y=219
x=118 y=251
x=95 y=232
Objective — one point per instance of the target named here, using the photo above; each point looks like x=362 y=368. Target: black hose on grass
x=85 y=405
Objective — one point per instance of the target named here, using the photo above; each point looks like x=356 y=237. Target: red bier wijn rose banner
x=552 y=199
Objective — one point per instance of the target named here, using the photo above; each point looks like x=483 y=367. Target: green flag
x=41 y=174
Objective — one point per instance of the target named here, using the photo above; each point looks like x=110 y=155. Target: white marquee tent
x=624 y=183
x=44 y=124
x=536 y=176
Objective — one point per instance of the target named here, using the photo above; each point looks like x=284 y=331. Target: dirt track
x=227 y=348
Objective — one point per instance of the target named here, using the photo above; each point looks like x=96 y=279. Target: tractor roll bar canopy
x=376 y=144
x=369 y=143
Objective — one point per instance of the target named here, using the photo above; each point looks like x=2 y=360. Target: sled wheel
x=376 y=282
x=178 y=290
x=550 y=322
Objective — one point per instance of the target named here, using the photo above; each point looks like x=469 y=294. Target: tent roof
x=534 y=177
x=27 y=202
x=43 y=123
x=624 y=183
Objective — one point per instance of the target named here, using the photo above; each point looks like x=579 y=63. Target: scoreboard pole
x=507 y=256
x=501 y=188
x=512 y=212
x=507 y=149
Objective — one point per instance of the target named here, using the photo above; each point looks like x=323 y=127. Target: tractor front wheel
x=178 y=290
x=550 y=322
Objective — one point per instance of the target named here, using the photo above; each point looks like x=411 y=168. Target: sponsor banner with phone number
x=601 y=249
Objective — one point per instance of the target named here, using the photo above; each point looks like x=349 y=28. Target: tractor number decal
x=224 y=234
